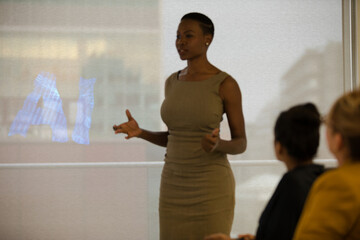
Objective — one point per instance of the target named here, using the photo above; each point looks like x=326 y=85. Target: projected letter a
x=51 y=114
x=85 y=106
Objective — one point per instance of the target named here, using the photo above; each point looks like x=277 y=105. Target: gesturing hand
x=220 y=236
x=246 y=237
x=131 y=128
x=210 y=141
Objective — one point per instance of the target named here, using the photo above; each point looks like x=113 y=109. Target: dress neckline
x=205 y=80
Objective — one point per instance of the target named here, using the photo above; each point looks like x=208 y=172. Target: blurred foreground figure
x=332 y=210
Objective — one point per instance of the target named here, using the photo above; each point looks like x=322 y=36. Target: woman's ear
x=338 y=142
x=338 y=147
x=208 y=39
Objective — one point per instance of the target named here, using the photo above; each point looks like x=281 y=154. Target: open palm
x=131 y=127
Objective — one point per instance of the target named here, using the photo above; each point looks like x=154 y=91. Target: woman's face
x=190 y=40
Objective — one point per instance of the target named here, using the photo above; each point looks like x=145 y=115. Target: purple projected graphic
x=85 y=106
x=51 y=113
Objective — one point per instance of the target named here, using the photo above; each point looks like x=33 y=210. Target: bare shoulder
x=229 y=81
x=229 y=87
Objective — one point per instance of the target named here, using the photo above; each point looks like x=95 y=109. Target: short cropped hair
x=205 y=22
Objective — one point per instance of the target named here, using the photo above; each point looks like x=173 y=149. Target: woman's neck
x=292 y=163
x=199 y=65
x=343 y=157
x=345 y=160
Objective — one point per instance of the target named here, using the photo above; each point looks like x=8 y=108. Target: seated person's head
x=297 y=132
x=343 y=127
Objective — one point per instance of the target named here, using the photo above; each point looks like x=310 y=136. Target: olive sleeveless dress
x=197 y=190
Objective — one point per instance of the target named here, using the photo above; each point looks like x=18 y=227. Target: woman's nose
x=181 y=41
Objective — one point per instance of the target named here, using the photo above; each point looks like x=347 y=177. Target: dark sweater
x=281 y=214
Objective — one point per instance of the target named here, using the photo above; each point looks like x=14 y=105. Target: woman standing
x=197 y=192
x=332 y=210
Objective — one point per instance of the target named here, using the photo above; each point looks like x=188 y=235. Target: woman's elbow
x=242 y=145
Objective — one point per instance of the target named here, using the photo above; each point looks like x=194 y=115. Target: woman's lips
x=182 y=51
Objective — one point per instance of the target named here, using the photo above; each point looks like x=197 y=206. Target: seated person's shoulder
x=339 y=178
x=304 y=175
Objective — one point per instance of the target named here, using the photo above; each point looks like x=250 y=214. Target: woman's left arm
x=231 y=95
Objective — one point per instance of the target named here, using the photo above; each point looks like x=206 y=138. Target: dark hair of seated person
x=297 y=129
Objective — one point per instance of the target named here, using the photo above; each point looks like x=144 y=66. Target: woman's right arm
x=158 y=138
x=132 y=129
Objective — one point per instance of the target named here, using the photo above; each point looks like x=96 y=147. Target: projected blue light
x=85 y=106
x=51 y=113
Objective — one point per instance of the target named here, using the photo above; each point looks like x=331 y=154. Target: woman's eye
x=189 y=36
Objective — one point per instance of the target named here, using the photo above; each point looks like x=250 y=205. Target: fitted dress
x=197 y=190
